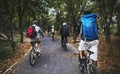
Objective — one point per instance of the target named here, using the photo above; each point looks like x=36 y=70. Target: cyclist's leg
x=39 y=45
x=32 y=42
x=66 y=39
x=81 y=48
x=94 y=48
x=38 y=41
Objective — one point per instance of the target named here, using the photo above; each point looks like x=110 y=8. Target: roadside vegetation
x=17 y=15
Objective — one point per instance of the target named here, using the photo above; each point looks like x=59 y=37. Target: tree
x=6 y=18
x=20 y=8
x=106 y=9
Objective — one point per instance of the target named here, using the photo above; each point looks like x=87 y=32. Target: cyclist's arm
x=41 y=33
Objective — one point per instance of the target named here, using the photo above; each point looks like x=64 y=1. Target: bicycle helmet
x=87 y=11
x=35 y=22
x=52 y=26
x=64 y=24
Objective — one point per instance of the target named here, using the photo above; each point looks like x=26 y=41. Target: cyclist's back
x=89 y=35
x=64 y=30
x=37 y=38
x=64 y=33
x=38 y=30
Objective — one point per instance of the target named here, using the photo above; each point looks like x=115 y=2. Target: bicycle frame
x=52 y=36
x=64 y=44
x=88 y=67
x=33 y=54
x=88 y=61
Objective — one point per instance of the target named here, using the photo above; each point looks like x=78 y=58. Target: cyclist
x=89 y=36
x=53 y=30
x=37 y=38
x=64 y=33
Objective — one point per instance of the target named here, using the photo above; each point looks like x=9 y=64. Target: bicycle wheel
x=64 y=44
x=52 y=37
x=94 y=69
x=32 y=57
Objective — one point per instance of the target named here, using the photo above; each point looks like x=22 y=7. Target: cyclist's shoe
x=81 y=64
x=38 y=53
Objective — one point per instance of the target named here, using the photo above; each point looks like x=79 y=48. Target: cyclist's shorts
x=53 y=33
x=92 y=46
x=35 y=40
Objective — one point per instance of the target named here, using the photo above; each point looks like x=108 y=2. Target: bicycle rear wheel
x=53 y=37
x=94 y=70
x=32 y=57
x=64 y=44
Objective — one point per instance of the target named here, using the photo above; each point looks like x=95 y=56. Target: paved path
x=53 y=60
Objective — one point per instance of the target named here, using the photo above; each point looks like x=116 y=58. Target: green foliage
x=16 y=39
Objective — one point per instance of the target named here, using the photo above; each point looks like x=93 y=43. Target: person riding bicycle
x=53 y=30
x=48 y=30
x=64 y=33
x=89 y=36
x=37 y=38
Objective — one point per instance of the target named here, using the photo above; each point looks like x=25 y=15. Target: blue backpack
x=89 y=27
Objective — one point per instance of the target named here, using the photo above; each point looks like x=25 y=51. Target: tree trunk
x=118 y=24
x=20 y=28
x=108 y=37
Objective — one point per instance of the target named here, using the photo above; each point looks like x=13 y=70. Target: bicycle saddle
x=90 y=52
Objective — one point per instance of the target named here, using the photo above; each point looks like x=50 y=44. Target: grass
x=5 y=48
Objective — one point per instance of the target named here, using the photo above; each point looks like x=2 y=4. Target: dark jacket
x=64 y=30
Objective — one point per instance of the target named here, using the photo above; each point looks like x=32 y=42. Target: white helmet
x=64 y=24
x=52 y=26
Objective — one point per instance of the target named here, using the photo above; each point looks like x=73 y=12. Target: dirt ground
x=107 y=64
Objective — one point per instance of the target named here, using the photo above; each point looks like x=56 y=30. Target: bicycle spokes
x=32 y=57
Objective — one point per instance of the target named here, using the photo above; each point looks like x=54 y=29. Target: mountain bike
x=88 y=67
x=64 y=44
x=33 y=54
x=52 y=36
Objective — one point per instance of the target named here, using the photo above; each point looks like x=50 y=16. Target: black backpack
x=65 y=30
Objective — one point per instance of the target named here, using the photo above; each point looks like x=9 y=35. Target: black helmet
x=87 y=11
x=35 y=22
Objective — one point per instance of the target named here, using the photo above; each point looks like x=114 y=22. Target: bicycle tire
x=94 y=70
x=80 y=68
x=32 y=57
x=64 y=44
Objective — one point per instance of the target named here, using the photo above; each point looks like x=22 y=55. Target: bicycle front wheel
x=32 y=57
